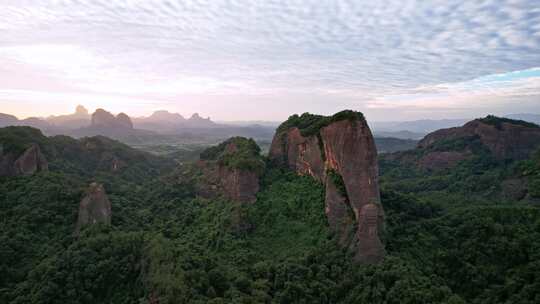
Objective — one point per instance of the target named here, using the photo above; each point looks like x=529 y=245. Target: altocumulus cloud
x=363 y=54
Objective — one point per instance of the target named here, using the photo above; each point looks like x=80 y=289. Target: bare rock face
x=231 y=169
x=368 y=242
x=299 y=153
x=29 y=163
x=339 y=213
x=340 y=152
x=239 y=185
x=94 y=208
x=505 y=138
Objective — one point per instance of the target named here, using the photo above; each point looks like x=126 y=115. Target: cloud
x=480 y=92
x=366 y=50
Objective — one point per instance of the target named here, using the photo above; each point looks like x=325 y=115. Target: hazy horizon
x=265 y=60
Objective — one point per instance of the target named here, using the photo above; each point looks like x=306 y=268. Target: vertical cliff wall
x=340 y=152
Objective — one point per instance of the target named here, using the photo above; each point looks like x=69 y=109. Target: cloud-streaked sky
x=265 y=59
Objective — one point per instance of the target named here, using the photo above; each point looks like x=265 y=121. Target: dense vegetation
x=391 y=144
x=450 y=237
x=237 y=153
x=311 y=124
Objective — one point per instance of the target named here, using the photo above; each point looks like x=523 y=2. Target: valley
x=454 y=219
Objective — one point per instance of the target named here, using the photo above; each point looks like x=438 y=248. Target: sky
x=266 y=59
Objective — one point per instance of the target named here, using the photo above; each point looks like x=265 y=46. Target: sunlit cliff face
x=265 y=60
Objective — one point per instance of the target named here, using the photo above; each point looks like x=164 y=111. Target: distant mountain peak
x=104 y=119
x=81 y=110
x=166 y=116
x=197 y=117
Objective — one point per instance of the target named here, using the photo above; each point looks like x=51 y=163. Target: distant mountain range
x=173 y=129
x=162 y=127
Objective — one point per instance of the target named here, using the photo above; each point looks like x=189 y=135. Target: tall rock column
x=340 y=152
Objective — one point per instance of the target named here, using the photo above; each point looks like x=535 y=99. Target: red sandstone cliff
x=341 y=154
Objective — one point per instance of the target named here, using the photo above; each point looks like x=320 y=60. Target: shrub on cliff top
x=311 y=124
x=498 y=121
x=245 y=155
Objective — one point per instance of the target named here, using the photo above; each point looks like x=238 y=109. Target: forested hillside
x=451 y=236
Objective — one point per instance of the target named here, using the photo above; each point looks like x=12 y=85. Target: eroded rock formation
x=340 y=152
x=28 y=163
x=94 y=208
x=499 y=139
x=231 y=169
x=505 y=138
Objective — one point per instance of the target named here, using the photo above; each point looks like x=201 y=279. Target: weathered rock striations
x=30 y=162
x=340 y=152
x=94 y=208
x=231 y=169
x=299 y=153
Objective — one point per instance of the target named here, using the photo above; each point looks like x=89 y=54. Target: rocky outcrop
x=30 y=162
x=104 y=119
x=340 y=152
x=94 y=208
x=233 y=183
x=231 y=169
x=506 y=139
